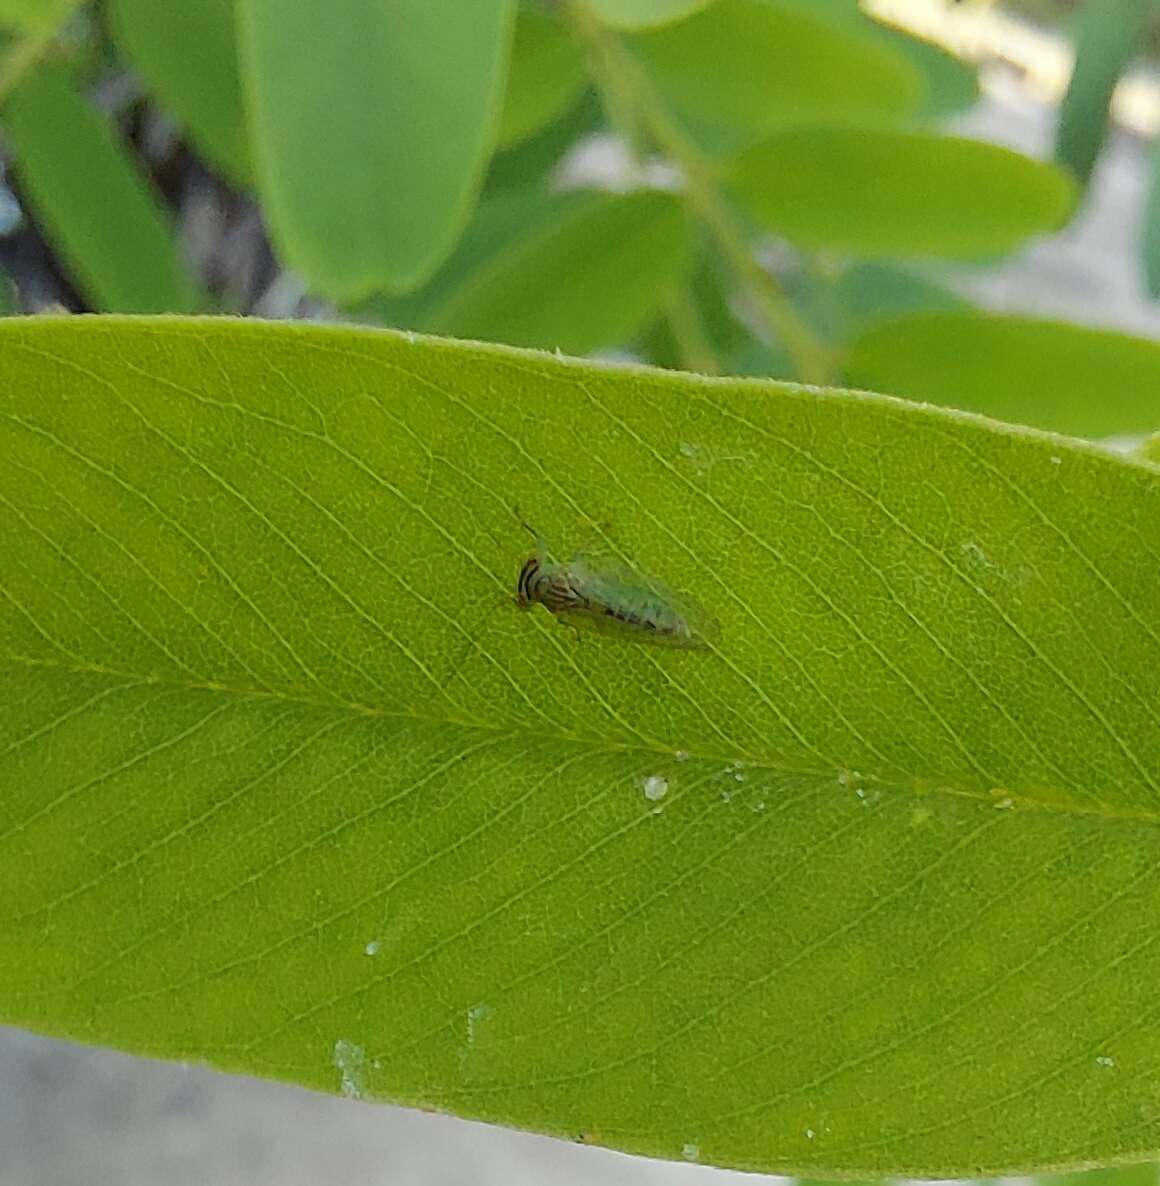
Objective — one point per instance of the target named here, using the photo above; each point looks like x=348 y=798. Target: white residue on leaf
x=810 y=1134
x=475 y=1015
x=1105 y=1060
x=682 y=755
x=372 y=948
x=351 y=1061
x=975 y=555
x=691 y=1151
x=1017 y=577
x=656 y=786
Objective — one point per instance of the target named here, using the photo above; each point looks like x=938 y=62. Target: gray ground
x=71 y=1115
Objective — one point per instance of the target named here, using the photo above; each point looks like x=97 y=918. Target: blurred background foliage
x=751 y=187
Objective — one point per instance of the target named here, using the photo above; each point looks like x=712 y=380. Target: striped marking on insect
x=611 y=601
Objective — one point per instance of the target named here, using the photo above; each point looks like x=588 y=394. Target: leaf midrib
x=781 y=766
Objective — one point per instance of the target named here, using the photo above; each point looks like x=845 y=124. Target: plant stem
x=631 y=97
x=688 y=329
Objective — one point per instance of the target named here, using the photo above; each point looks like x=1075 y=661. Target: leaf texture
x=289 y=784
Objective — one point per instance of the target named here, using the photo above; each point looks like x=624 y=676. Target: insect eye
x=524 y=584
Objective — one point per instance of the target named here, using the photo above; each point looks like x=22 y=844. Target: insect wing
x=632 y=606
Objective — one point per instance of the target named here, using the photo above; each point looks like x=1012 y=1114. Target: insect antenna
x=541 y=544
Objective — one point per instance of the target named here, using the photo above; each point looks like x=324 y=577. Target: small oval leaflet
x=612 y=601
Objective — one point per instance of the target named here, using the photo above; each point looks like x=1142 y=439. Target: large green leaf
x=1108 y=34
x=1047 y=373
x=545 y=78
x=760 y=65
x=288 y=783
x=643 y=14
x=95 y=206
x=187 y=52
x=571 y=272
x=885 y=192
x=372 y=121
x=951 y=83
x=1122 y=1175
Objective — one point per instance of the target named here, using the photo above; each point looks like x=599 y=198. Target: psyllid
x=613 y=601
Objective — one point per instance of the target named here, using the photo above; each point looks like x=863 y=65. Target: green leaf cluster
x=417 y=167
x=387 y=145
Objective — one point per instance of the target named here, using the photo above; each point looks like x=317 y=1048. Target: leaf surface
x=842 y=303
x=951 y=83
x=97 y=209
x=35 y=16
x=289 y=784
x=545 y=77
x=879 y=192
x=533 y=162
x=1048 y=373
x=371 y=124
x=573 y=272
x=1106 y=37
x=760 y=65
x=644 y=14
x=1119 y=1175
x=189 y=56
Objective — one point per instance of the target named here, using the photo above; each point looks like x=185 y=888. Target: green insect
x=612 y=601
